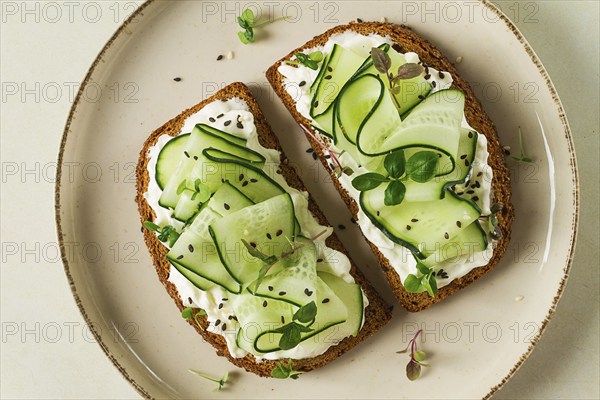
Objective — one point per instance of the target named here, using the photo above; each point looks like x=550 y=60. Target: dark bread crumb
x=408 y=40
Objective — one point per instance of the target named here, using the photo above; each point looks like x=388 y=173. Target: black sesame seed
x=397 y=47
x=253 y=244
x=211 y=119
x=359 y=20
x=378 y=213
x=319 y=260
x=473 y=186
x=220 y=305
x=180 y=257
x=190 y=300
x=479 y=174
x=477 y=184
x=441 y=75
x=342 y=226
x=309 y=150
x=414 y=220
x=353 y=220
x=316 y=104
x=433 y=84
x=270 y=288
x=265 y=303
x=467 y=163
x=408 y=227
x=470 y=135
x=241 y=177
x=191 y=248
x=426 y=68
x=427 y=76
x=196 y=158
x=327 y=77
x=421 y=97
x=302 y=83
x=325 y=301
x=282 y=293
x=475 y=198
x=224 y=299
x=224 y=326
x=279 y=232
x=470 y=191
x=226 y=206
x=186 y=154
x=446 y=235
x=218 y=322
x=253 y=180
x=458 y=224
x=269 y=236
x=230 y=317
x=314 y=156
x=177 y=79
x=308 y=292
x=227 y=123
x=219 y=57
x=240 y=125
x=220 y=115
x=245 y=184
x=329 y=68
x=463 y=156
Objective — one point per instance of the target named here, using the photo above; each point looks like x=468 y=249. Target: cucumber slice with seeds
x=169 y=158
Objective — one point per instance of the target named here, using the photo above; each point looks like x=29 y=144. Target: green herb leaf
x=248 y=16
x=316 y=56
x=432 y=286
x=368 y=181
x=394 y=163
x=221 y=382
x=242 y=37
x=394 y=193
x=421 y=166
x=307 y=61
x=306 y=313
x=426 y=282
x=201 y=190
x=395 y=90
x=291 y=335
x=422 y=268
x=182 y=186
x=187 y=313
x=408 y=71
x=413 y=284
x=413 y=370
x=419 y=356
x=381 y=60
x=254 y=252
x=522 y=157
x=347 y=171
x=283 y=371
x=151 y=226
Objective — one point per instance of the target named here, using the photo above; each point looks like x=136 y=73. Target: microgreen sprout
x=221 y=382
x=284 y=371
x=424 y=281
x=413 y=368
x=165 y=234
x=310 y=60
x=247 y=21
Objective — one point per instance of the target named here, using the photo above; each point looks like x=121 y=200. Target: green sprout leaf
x=151 y=226
x=221 y=382
x=421 y=166
x=243 y=38
x=248 y=16
x=413 y=284
x=394 y=193
x=306 y=313
x=368 y=181
x=316 y=56
x=413 y=370
x=201 y=190
x=307 y=61
x=187 y=313
x=182 y=187
x=284 y=371
x=291 y=335
x=422 y=268
x=419 y=356
x=381 y=60
x=394 y=163
x=522 y=157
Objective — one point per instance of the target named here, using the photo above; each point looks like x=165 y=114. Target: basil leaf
x=368 y=181
x=394 y=193
x=421 y=166
x=306 y=313
x=291 y=336
x=413 y=370
x=412 y=284
x=394 y=163
x=242 y=36
x=381 y=60
x=408 y=71
x=187 y=313
x=432 y=285
x=249 y=34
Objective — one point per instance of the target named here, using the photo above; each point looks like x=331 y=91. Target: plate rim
x=532 y=56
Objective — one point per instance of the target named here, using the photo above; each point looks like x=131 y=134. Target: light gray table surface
x=41 y=51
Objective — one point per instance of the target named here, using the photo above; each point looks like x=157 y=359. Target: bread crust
x=408 y=40
x=377 y=313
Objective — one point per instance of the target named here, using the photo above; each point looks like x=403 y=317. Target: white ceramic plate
x=475 y=340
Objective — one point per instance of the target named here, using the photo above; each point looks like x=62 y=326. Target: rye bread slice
x=408 y=40
x=377 y=313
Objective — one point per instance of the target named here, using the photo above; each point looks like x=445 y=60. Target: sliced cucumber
x=227 y=136
x=257 y=315
x=469 y=241
x=340 y=66
x=419 y=226
x=169 y=158
x=293 y=278
x=331 y=311
x=227 y=199
x=351 y=295
x=195 y=251
x=267 y=225
x=195 y=279
x=199 y=140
